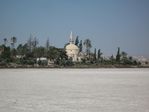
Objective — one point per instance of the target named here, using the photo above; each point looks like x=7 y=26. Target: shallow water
x=74 y=90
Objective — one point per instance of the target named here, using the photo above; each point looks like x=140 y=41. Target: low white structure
x=50 y=62
x=20 y=56
x=41 y=59
x=142 y=60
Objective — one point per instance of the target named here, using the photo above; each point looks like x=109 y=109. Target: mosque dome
x=72 y=47
x=72 y=50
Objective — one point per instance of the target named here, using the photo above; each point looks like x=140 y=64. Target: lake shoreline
x=69 y=67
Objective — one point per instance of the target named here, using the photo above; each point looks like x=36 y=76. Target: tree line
x=96 y=57
x=27 y=54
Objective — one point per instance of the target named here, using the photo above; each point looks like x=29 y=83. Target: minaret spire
x=71 y=38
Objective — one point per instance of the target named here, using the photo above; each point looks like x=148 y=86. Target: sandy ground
x=74 y=90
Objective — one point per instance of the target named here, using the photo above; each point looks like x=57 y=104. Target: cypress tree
x=80 y=45
x=99 y=54
x=77 y=41
x=118 y=56
x=95 y=54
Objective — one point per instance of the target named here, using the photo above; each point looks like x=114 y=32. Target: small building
x=20 y=56
x=42 y=60
x=50 y=62
x=144 y=61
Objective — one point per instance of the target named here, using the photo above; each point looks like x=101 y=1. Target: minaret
x=71 y=38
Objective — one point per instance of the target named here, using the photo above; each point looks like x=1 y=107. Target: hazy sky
x=108 y=23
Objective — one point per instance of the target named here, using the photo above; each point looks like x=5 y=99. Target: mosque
x=73 y=50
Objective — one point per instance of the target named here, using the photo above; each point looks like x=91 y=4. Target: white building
x=72 y=50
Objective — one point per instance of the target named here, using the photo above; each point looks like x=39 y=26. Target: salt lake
x=74 y=90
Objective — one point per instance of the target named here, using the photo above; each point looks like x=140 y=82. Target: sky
x=107 y=23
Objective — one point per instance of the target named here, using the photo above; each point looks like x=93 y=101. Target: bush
x=43 y=63
x=69 y=62
x=3 y=63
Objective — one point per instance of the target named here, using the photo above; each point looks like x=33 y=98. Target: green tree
x=20 y=49
x=52 y=52
x=25 y=49
x=5 y=41
x=130 y=58
x=39 y=52
x=80 y=46
x=99 y=54
x=95 y=54
x=118 y=56
x=88 y=45
x=124 y=54
x=61 y=58
x=5 y=55
x=124 y=59
x=112 y=59
x=77 y=41
x=35 y=42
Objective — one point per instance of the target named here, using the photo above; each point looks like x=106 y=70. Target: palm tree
x=13 y=41
x=5 y=41
x=88 y=45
